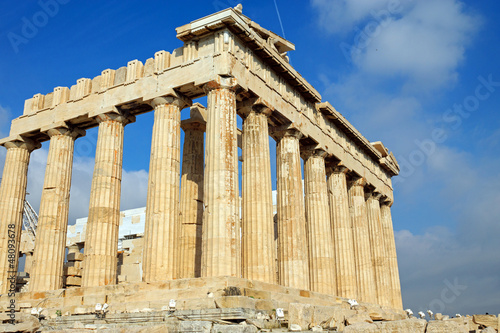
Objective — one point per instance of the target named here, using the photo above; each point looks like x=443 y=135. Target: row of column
x=349 y=250
x=332 y=240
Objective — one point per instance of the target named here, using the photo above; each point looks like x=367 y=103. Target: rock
x=359 y=308
x=25 y=323
x=25 y=305
x=362 y=328
x=155 y=329
x=376 y=313
x=467 y=323
x=78 y=324
x=234 y=329
x=261 y=324
x=489 y=330
x=330 y=317
x=331 y=324
x=82 y=311
x=412 y=325
x=261 y=316
x=225 y=302
x=195 y=326
x=446 y=326
x=392 y=315
x=317 y=328
x=358 y=318
x=486 y=320
x=300 y=314
x=295 y=328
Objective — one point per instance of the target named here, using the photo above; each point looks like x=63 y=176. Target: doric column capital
x=358 y=181
x=257 y=105
x=373 y=194
x=75 y=133
x=20 y=142
x=221 y=82
x=336 y=168
x=172 y=97
x=308 y=152
x=385 y=201
x=281 y=133
x=119 y=117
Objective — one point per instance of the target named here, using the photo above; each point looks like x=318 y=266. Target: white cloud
x=389 y=95
x=338 y=16
x=464 y=248
x=423 y=42
x=134 y=189
x=426 y=45
x=134 y=184
x=83 y=168
x=431 y=262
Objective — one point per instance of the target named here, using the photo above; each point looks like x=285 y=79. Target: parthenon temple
x=333 y=224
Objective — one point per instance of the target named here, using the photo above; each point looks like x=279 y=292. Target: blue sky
x=413 y=74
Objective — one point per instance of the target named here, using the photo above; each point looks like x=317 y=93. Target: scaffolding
x=30 y=221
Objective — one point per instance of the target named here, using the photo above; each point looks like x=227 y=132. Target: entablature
x=223 y=44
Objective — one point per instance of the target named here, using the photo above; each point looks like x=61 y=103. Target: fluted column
x=161 y=236
x=378 y=249
x=221 y=250
x=365 y=277
x=28 y=263
x=258 y=249
x=191 y=206
x=12 y=196
x=48 y=257
x=343 y=242
x=319 y=231
x=292 y=234
x=101 y=237
x=392 y=262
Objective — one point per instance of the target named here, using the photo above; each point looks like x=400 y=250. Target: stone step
x=220 y=316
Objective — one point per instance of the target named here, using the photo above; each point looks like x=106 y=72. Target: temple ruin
x=335 y=237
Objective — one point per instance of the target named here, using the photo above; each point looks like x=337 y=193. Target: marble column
x=191 y=206
x=161 y=232
x=50 y=245
x=293 y=264
x=12 y=196
x=28 y=263
x=392 y=262
x=259 y=253
x=365 y=277
x=343 y=242
x=101 y=237
x=221 y=249
x=378 y=249
x=319 y=231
